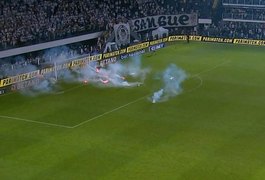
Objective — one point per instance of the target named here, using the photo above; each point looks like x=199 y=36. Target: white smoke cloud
x=47 y=83
x=113 y=75
x=172 y=78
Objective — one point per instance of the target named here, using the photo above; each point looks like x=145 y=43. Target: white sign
x=122 y=33
x=154 y=22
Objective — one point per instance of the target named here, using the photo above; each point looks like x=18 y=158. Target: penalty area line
x=198 y=86
x=118 y=108
x=197 y=76
x=36 y=122
x=211 y=69
x=108 y=112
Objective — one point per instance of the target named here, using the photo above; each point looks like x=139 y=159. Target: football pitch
x=215 y=129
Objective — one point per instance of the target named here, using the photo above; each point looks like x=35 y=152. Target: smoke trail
x=115 y=75
x=18 y=65
x=173 y=76
x=47 y=83
x=157 y=95
x=43 y=87
x=59 y=54
x=135 y=69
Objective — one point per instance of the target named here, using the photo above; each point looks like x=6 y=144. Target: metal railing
x=250 y=17
x=245 y=2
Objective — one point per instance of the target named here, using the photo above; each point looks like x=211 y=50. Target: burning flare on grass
x=114 y=75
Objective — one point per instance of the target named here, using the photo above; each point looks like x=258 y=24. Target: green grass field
x=214 y=130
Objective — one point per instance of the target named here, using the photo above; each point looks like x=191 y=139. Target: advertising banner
x=154 y=22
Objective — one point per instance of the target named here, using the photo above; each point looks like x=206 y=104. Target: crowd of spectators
x=25 y=22
x=246 y=2
x=230 y=29
x=244 y=14
x=240 y=21
x=36 y=60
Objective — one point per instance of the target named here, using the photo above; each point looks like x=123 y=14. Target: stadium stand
x=29 y=22
x=240 y=19
x=244 y=2
x=236 y=30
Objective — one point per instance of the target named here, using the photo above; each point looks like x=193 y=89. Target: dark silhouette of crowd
x=230 y=29
x=241 y=19
x=26 y=22
x=246 y=2
x=244 y=14
x=24 y=63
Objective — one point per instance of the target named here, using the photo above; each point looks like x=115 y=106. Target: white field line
x=108 y=112
x=198 y=86
x=203 y=72
x=40 y=122
x=36 y=122
x=211 y=69
x=55 y=93
x=139 y=99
